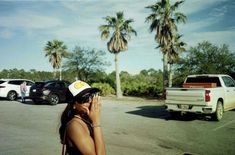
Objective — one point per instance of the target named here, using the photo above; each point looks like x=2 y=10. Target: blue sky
x=26 y=26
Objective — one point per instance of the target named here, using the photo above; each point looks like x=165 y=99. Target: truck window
x=203 y=79
x=229 y=82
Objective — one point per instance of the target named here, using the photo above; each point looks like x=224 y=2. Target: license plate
x=184 y=107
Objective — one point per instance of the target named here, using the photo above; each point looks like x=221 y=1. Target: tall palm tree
x=56 y=50
x=121 y=31
x=163 y=20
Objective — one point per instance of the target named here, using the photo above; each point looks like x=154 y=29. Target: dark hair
x=66 y=116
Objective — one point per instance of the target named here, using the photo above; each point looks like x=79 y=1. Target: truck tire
x=217 y=116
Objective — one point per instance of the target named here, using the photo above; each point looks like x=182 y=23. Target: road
x=131 y=126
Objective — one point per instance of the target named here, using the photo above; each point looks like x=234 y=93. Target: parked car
x=53 y=91
x=10 y=88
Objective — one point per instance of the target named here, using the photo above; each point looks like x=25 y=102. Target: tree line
x=204 y=58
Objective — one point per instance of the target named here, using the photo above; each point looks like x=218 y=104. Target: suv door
x=14 y=87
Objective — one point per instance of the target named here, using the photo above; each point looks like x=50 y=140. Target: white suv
x=10 y=88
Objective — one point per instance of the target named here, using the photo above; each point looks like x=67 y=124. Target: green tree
x=56 y=50
x=148 y=83
x=121 y=30
x=163 y=20
x=206 y=58
x=85 y=62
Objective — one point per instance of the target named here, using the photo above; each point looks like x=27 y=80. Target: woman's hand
x=95 y=110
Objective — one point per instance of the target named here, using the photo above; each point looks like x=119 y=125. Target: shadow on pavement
x=161 y=113
x=151 y=111
x=30 y=102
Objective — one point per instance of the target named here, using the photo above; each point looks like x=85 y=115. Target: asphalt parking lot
x=130 y=126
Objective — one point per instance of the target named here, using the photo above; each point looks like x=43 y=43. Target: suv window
x=39 y=84
x=15 y=82
x=229 y=82
x=2 y=81
x=60 y=85
x=29 y=83
x=50 y=84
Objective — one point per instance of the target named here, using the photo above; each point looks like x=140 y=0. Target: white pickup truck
x=209 y=94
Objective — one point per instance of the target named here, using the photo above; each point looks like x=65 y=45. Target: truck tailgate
x=192 y=96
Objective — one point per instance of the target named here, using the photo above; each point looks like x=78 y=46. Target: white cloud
x=217 y=37
x=29 y=20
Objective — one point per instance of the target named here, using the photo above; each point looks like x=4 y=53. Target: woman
x=80 y=128
x=23 y=90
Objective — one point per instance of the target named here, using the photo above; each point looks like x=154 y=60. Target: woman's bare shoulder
x=77 y=125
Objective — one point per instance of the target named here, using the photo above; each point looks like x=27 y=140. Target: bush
x=105 y=88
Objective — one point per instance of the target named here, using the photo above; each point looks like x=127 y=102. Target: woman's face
x=83 y=108
x=84 y=103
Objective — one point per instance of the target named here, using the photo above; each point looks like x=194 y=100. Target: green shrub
x=105 y=88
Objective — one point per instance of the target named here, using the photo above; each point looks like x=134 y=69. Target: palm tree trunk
x=118 y=83
x=60 y=73
x=170 y=75
x=54 y=73
x=165 y=72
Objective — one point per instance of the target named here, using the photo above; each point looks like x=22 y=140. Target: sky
x=26 y=26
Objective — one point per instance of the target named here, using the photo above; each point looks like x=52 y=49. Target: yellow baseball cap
x=79 y=88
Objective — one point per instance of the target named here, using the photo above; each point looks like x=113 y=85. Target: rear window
x=204 y=79
x=39 y=84
x=50 y=84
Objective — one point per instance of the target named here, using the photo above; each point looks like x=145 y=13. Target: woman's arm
x=78 y=133
x=94 y=115
x=99 y=141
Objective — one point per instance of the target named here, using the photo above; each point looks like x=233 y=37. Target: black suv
x=53 y=91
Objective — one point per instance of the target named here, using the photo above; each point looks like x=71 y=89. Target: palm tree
x=163 y=20
x=55 y=50
x=118 y=42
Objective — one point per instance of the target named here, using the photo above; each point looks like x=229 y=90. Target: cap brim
x=88 y=90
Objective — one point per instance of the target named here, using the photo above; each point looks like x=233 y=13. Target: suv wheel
x=12 y=95
x=54 y=99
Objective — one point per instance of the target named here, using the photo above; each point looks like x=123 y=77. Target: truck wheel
x=54 y=99
x=12 y=95
x=219 y=111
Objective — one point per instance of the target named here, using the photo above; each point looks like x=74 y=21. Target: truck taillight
x=207 y=96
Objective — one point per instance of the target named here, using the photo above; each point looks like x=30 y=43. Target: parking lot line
x=223 y=125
